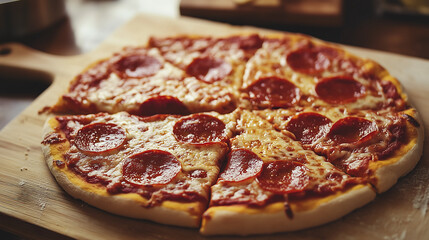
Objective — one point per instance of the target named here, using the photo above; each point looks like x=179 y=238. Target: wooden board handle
x=16 y=57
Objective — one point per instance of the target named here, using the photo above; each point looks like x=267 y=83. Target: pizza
x=236 y=135
x=139 y=167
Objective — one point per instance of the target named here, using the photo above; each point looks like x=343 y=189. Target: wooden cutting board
x=34 y=206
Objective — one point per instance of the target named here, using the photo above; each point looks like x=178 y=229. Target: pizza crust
x=129 y=205
x=406 y=157
x=241 y=220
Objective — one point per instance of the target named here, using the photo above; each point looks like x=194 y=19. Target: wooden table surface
x=406 y=219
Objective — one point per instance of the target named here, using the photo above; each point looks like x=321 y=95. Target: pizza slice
x=207 y=58
x=158 y=168
x=215 y=61
x=379 y=146
x=138 y=80
x=271 y=184
x=295 y=70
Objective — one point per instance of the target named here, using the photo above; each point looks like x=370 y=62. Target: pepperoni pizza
x=243 y=134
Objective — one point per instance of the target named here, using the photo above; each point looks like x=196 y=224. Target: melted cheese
x=114 y=94
x=349 y=153
x=270 y=60
x=146 y=135
x=261 y=138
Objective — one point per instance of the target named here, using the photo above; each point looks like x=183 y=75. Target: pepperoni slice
x=199 y=129
x=242 y=165
x=138 y=65
x=162 y=105
x=251 y=42
x=98 y=138
x=339 y=90
x=151 y=167
x=308 y=127
x=92 y=77
x=311 y=60
x=352 y=130
x=208 y=69
x=390 y=90
x=283 y=177
x=273 y=92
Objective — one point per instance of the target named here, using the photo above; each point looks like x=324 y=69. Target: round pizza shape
x=235 y=135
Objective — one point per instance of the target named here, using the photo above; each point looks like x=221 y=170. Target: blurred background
x=70 y=27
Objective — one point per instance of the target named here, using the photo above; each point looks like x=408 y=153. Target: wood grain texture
x=30 y=194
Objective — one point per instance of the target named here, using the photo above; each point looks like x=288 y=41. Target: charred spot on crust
x=53 y=138
x=411 y=120
x=59 y=163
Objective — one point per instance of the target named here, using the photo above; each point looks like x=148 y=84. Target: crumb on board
x=42 y=206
